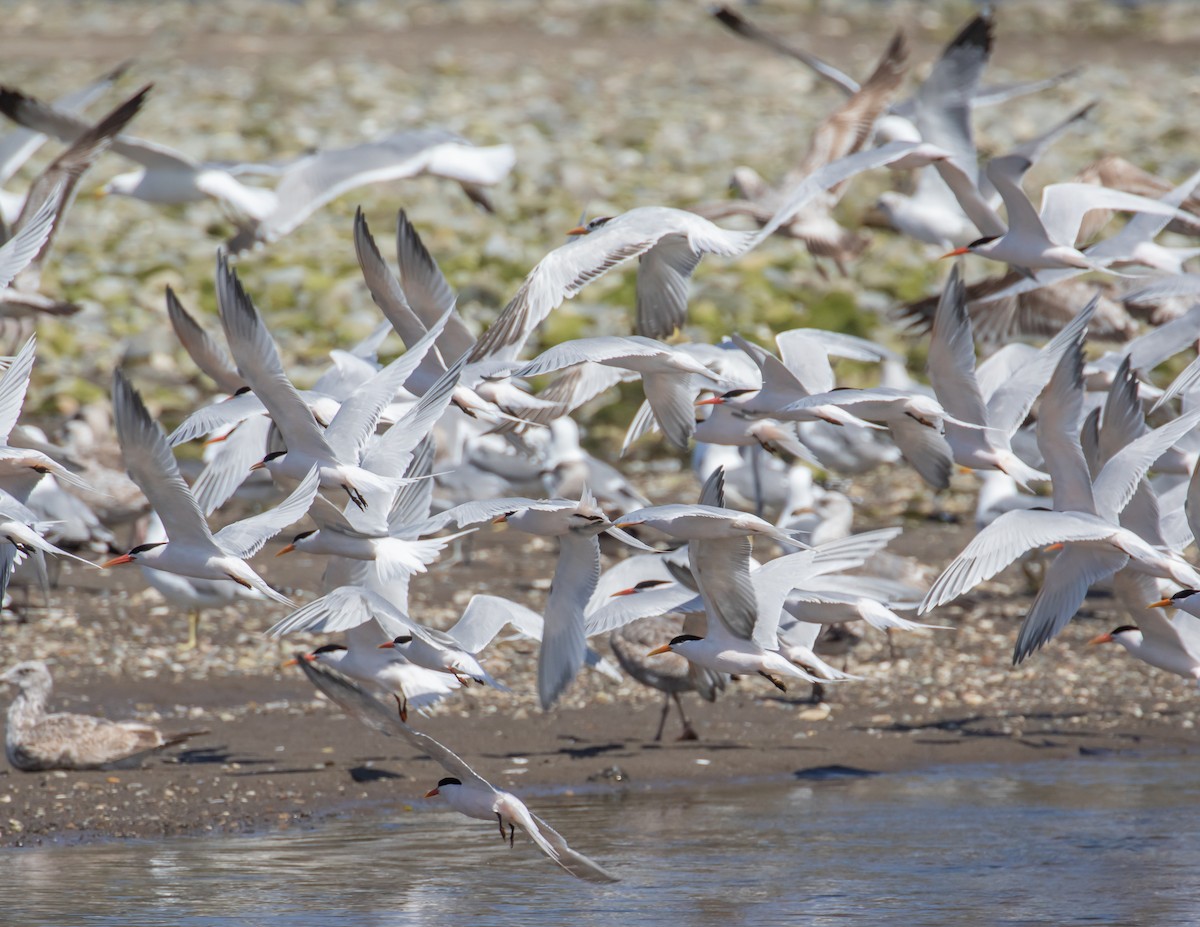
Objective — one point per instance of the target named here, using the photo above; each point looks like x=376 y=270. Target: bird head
x=132 y=556
x=297 y=539
x=442 y=783
x=1113 y=635
x=589 y=227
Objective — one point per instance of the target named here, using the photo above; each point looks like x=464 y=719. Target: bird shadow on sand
x=834 y=771
x=582 y=752
x=371 y=774
x=981 y=726
x=197 y=756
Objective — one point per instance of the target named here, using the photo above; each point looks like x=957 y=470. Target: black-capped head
x=142 y=548
x=274 y=455
x=734 y=393
x=402 y=639
x=449 y=780
x=1183 y=594
x=980 y=242
x=329 y=648
x=651 y=584
x=1125 y=627
x=684 y=638
x=302 y=535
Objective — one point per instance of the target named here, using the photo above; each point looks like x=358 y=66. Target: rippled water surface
x=1106 y=840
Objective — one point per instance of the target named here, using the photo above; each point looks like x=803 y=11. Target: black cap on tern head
x=449 y=780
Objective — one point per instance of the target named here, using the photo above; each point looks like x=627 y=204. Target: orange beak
x=286 y=550
x=1052 y=548
x=578 y=230
x=432 y=792
x=310 y=657
x=657 y=650
x=629 y=591
x=1162 y=603
x=715 y=401
x=116 y=561
x=216 y=440
x=390 y=645
x=955 y=253
x=258 y=466
x=1101 y=639
x=499 y=519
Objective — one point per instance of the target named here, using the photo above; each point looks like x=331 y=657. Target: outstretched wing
x=356 y=701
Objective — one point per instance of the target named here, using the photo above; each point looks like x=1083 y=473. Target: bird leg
x=818 y=694
x=503 y=836
x=662 y=721
x=401 y=706
x=775 y=681
x=891 y=642
x=689 y=733
x=355 y=496
x=193 y=626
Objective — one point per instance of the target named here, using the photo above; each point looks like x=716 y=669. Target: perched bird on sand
x=35 y=740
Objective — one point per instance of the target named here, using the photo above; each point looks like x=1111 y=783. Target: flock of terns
x=392 y=462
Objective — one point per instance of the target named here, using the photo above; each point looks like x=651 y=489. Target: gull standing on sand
x=464 y=789
x=35 y=740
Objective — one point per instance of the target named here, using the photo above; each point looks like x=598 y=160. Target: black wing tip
x=978 y=33
x=12 y=99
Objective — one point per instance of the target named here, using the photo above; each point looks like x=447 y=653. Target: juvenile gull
x=35 y=740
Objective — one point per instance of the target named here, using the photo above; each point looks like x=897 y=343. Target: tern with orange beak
x=192 y=548
x=1086 y=517
x=1041 y=239
x=1169 y=643
x=463 y=789
x=669 y=244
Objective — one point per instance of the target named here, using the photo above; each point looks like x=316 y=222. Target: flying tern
x=192 y=548
x=464 y=789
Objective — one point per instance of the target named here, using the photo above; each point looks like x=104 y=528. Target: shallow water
x=1108 y=840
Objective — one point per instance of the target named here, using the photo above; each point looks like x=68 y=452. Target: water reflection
x=1102 y=840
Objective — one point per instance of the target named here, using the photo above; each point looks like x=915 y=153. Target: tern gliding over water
x=464 y=789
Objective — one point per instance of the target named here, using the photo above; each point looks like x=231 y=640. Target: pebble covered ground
x=609 y=106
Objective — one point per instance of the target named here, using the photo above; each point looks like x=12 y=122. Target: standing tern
x=464 y=789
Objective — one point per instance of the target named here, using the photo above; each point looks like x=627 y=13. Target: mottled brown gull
x=35 y=740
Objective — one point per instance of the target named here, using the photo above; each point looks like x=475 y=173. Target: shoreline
x=258 y=774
